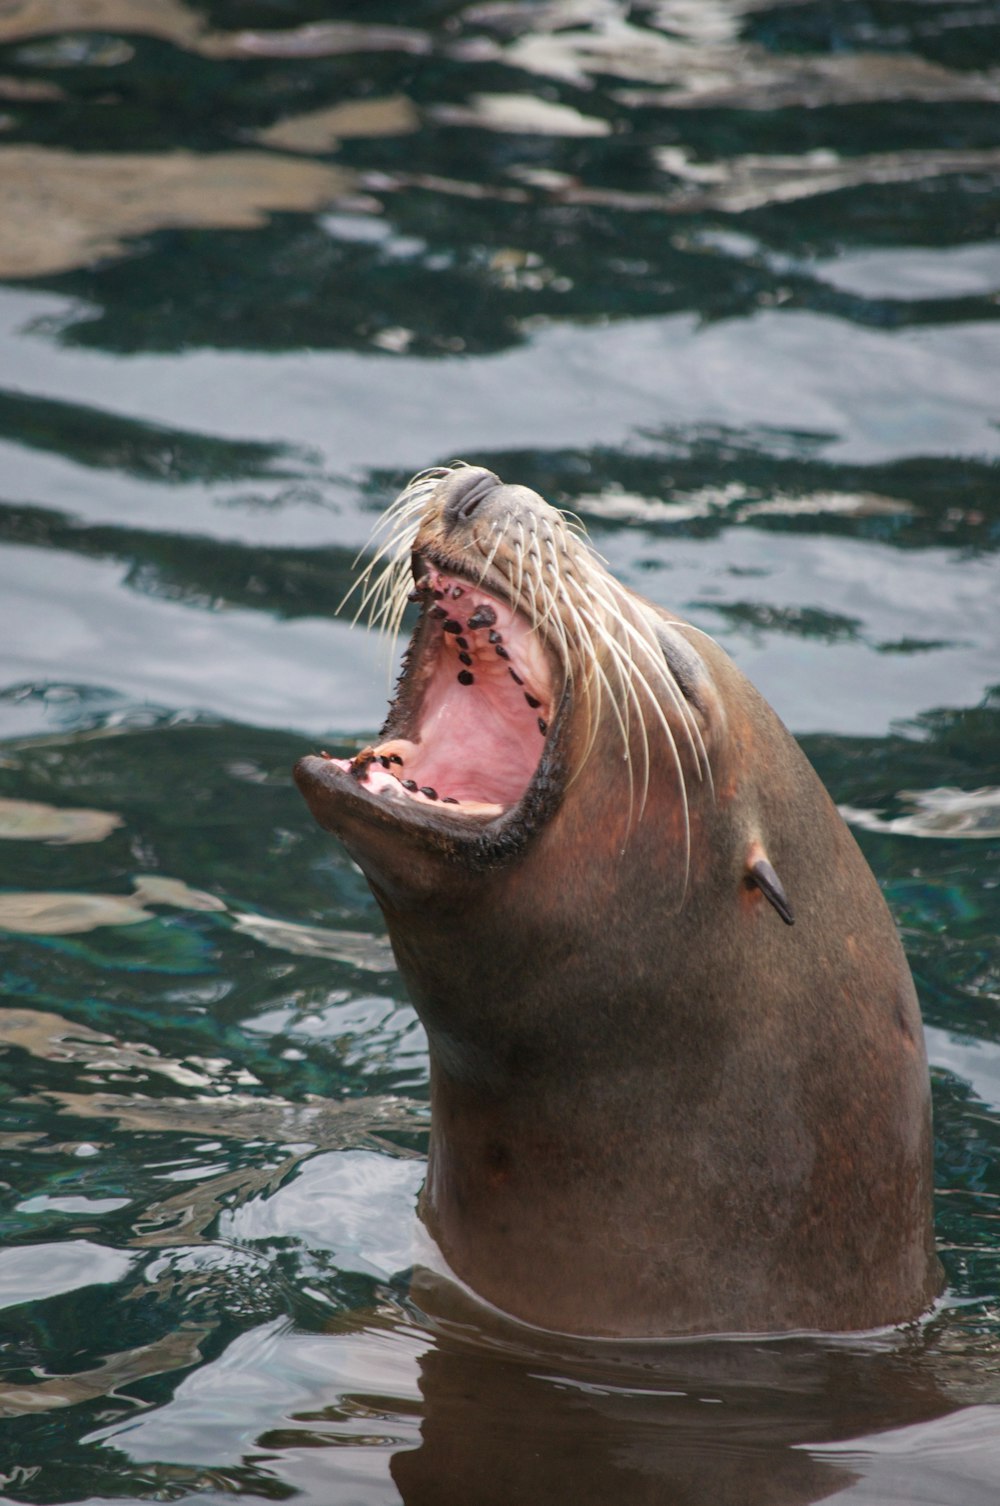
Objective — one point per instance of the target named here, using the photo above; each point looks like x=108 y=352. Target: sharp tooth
x=361 y=761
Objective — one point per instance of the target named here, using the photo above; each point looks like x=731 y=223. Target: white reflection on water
x=65 y=618
x=356 y=1204
x=912 y=272
x=33 y=1273
x=973 y=1061
x=267 y=1376
x=951 y=1459
x=878 y=394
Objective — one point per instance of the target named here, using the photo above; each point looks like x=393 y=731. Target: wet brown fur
x=657 y=1109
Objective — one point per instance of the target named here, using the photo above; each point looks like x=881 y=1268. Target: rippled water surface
x=722 y=276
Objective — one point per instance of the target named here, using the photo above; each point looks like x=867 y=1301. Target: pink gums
x=482 y=724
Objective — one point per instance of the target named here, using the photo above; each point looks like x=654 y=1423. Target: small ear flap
x=684 y=661
x=762 y=875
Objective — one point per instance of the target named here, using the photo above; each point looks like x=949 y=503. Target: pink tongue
x=378 y=780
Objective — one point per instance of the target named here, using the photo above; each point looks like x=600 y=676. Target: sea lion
x=678 y=1079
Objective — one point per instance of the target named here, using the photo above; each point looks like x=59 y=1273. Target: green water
x=723 y=278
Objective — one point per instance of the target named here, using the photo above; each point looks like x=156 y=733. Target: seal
x=678 y=1079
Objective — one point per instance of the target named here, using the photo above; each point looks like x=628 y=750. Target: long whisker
x=645 y=643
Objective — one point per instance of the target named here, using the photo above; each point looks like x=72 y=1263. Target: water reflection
x=464 y=1411
x=722 y=1422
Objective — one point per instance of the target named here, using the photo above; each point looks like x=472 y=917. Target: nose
x=467 y=488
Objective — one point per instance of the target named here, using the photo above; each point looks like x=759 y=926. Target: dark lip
x=420 y=559
x=341 y=785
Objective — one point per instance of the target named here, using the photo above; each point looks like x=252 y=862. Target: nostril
x=468 y=490
x=477 y=494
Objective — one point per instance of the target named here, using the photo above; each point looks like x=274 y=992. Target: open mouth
x=482 y=687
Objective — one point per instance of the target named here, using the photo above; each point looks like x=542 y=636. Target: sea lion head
x=532 y=672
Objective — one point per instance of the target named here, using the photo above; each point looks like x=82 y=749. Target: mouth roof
x=483 y=704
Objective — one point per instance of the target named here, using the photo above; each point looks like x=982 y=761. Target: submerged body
x=658 y=1105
